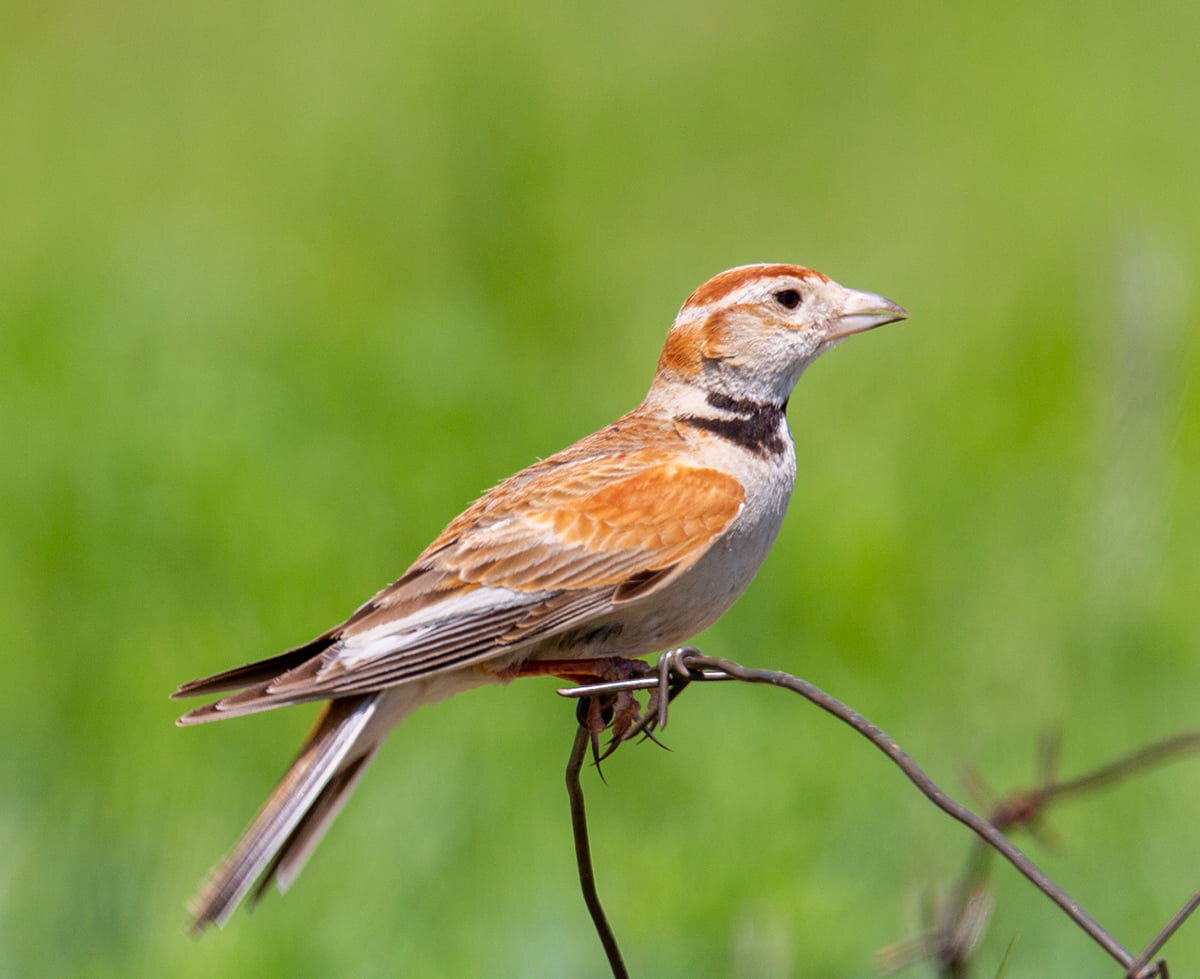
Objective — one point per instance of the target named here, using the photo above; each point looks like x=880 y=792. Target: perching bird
x=628 y=542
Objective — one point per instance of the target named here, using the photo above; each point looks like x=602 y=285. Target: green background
x=285 y=285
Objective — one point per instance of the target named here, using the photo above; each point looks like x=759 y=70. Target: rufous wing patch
x=658 y=517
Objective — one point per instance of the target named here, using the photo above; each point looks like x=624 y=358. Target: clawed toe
x=620 y=712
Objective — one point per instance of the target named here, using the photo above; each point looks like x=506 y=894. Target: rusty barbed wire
x=677 y=668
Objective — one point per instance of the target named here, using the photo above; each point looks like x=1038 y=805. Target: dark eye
x=788 y=298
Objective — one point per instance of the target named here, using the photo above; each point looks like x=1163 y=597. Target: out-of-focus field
x=285 y=285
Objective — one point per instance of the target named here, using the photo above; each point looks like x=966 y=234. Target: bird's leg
x=620 y=711
x=605 y=669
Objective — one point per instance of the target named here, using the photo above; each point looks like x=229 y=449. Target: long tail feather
x=294 y=853
x=295 y=815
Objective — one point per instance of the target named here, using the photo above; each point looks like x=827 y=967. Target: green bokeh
x=283 y=286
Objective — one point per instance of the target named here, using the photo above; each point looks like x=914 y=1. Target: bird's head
x=751 y=331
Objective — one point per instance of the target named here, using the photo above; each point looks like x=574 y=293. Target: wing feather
x=654 y=517
x=551 y=548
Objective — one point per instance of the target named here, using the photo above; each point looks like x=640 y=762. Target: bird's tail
x=297 y=813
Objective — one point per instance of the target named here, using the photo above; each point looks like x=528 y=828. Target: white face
x=757 y=328
x=811 y=303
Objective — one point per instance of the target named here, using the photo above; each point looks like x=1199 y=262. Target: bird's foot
x=617 y=710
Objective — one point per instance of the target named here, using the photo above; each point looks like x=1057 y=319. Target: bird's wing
x=588 y=526
x=550 y=548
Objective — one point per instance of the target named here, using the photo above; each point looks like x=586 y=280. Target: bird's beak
x=861 y=311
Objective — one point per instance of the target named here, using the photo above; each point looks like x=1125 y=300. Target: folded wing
x=553 y=547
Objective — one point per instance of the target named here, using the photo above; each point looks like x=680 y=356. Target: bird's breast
x=695 y=599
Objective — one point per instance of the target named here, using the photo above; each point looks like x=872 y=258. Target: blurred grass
x=283 y=286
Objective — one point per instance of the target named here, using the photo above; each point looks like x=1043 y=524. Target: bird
x=626 y=543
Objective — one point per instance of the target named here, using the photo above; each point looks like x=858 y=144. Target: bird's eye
x=788 y=298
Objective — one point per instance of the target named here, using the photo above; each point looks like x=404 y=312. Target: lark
x=626 y=543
